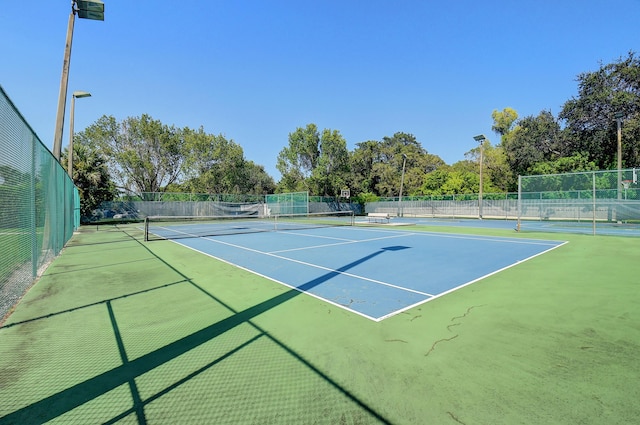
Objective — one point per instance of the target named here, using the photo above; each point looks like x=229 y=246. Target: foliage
x=533 y=140
x=90 y=175
x=314 y=162
x=297 y=160
x=365 y=197
x=214 y=165
x=146 y=156
x=497 y=174
x=362 y=159
x=331 y=172
x=569 y=164
x=590 y=118
x=504 y=120
x=256 y=180
x=377 y=166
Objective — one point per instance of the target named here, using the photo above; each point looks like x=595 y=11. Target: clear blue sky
x=255 y=70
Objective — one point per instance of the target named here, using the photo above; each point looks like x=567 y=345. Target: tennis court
x=204 y=330
x=370 y=271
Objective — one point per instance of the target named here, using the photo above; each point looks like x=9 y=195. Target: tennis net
x=179 y=227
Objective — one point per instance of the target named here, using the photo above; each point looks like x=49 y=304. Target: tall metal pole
x=519 y=203
x=619 y=120
x=593 y=206
x=404 y=162
x=70 y=154
x=480 y=138
x=64 y=82
x=481 y=163
x=75 y=95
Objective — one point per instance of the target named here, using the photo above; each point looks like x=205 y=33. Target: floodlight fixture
x=78 y=94
x=90 y=9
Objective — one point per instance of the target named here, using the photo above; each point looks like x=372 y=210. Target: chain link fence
x=39 y=206
x=591 y=201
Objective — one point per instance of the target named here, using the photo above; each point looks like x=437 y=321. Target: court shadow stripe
x=64 y=401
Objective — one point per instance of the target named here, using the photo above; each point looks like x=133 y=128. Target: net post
x=146 y=229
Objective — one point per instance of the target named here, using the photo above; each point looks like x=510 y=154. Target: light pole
x=404 y=162
x=76 y=94
x=480 y=139
x=86 y=9
x=619 y=115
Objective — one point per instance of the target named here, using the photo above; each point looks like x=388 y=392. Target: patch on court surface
x=373 y=272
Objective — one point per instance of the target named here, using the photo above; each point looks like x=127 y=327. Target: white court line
x=396 y=234
x=308 y=235
x=470 y=282
x=379 y=282
x=336 y=244
x=473 y=237
x=302 y=291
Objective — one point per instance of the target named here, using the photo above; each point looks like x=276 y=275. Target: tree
x=497 y=174
x=297 y=160
x=377 y=165
x=460 y=178
x=590 y=123
x=567 y=164
x=504 y=120
x=255 y=180
x=145 y=155
x=331 y=171
x=532 y=140
x=315 y=162
x=389 y=168
x=434 y=181
x=362 y=160
x=213 y=164
x=148 y=156
x=90 y=175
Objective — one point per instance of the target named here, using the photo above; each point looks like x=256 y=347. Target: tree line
x=141 y=154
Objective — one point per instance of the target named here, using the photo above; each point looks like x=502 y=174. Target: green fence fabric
x=288 y=203
x=37 y=204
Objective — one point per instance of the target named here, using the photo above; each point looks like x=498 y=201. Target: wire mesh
x=37 y=205
x=288 y=203
x=177 y=227
x=595 y=199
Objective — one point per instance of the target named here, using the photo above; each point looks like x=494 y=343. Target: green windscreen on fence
x=38 y=204
x=288 y=203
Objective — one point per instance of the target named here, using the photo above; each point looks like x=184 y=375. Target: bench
x=378 y=217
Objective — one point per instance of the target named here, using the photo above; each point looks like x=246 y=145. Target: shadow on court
x=129 y=371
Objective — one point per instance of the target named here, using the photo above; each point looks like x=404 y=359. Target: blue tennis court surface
x=372 y=272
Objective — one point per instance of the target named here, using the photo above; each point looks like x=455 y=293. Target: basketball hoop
x=626 y=184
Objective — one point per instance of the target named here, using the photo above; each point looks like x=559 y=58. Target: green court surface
x=119 y=330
